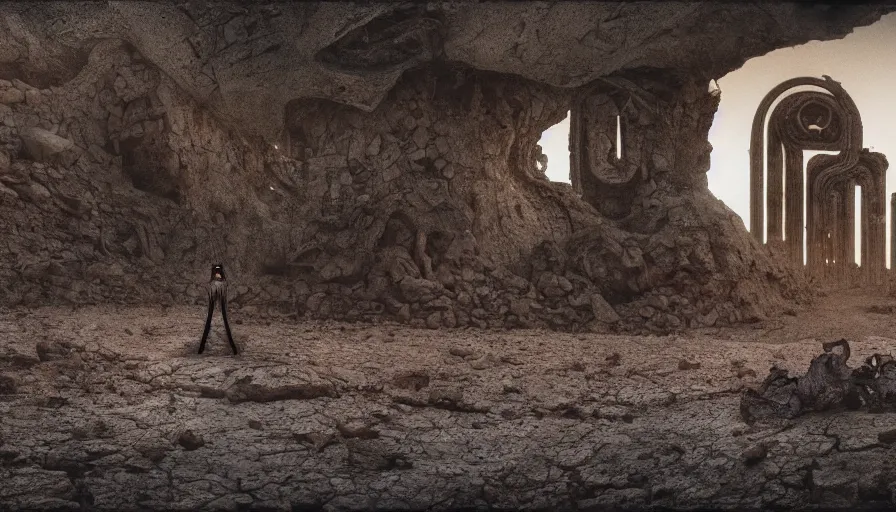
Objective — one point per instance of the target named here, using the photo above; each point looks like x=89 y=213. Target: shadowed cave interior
x=425 y=321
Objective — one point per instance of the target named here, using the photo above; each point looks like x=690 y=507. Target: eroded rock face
x=130 y=164
x=247 y=62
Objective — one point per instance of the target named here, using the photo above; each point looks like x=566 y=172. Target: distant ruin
x=824 y=121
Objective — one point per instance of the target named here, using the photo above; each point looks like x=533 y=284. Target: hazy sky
x=864 y=62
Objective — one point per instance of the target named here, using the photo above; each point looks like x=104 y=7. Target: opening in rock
x=858 y=224
x=554 y=144
x=618 y=138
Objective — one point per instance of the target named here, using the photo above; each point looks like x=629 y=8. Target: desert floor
x=111 y=409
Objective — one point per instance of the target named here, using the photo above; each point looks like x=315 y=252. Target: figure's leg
x=227 y=325
x=208 y=323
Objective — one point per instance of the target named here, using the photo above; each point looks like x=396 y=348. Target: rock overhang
x=245 y=62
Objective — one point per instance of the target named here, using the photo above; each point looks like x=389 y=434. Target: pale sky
x=864 y=62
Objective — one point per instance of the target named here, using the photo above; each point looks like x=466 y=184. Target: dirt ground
x=111 y=409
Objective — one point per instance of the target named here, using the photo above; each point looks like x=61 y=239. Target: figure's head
x=218 y=272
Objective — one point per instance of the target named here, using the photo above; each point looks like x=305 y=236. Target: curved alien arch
x=603 y=169
x=825 y=120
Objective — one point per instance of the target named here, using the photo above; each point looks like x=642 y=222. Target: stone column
x=893 y=232
x=845 y=252
x=775 y=194
x=795 y=190
x=877 y=212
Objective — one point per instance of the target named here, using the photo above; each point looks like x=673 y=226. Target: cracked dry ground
x=109 y=408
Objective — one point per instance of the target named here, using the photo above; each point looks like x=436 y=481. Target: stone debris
x=828 y=385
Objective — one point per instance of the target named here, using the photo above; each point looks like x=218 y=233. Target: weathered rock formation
x=829 y=385
x=826 y=121
x=361 y=161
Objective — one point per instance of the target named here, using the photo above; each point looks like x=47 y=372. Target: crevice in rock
x=396 y=40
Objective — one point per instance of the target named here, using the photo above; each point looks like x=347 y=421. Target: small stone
x=510 y=387
x=647 y=312
x=449 y=320
x=887 y=436
x=7 y=385
x=553 y=285
x=440 y=163
x=659 y=302
x=448 y=172
x=374 y=148
x=357 y=430
x=602 y=310
x=484 y=362
x=460 y=351
x=415 y=380
x=745 y=372
x=755 y=454
x=673 y=321
x=409 y=122
x=709 y=319
x=10 y=96
x=33 y=97
x=128 y=331
x=255 y=425
x=421 y=137
x=50 y=351
x=442 y=145
x=190 y=441
x=684 y=365
x=434 y=320
x=392 y=172
x=41 y=145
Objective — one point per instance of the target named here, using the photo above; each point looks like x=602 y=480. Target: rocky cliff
x=366 y=161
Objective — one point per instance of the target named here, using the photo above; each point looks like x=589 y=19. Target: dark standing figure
x=217 y=292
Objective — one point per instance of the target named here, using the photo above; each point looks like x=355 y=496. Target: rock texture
x=110 y=409
x=248 y=61
x=367 y=161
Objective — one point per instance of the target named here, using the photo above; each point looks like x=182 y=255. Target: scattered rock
x=413 y=380
x=510 y=387
x=460 y=351
x=190 y=441
x=602 y=310
x=755 y=454
x=246 y=391
x=51 y=351
x=317 y=439
x=10 y=96
x=553 y=285
x=745 y=372
x=7 y=385
x=42 y=145
x=357 y=430
x=483 y=363
x=684 y=364
x=887 y=436
x=434 y=320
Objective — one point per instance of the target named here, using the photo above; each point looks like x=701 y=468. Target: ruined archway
x=810 y=120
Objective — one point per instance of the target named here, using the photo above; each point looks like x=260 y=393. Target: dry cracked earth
x=106 y=408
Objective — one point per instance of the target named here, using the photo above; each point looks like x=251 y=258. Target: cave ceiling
x=246 y=61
